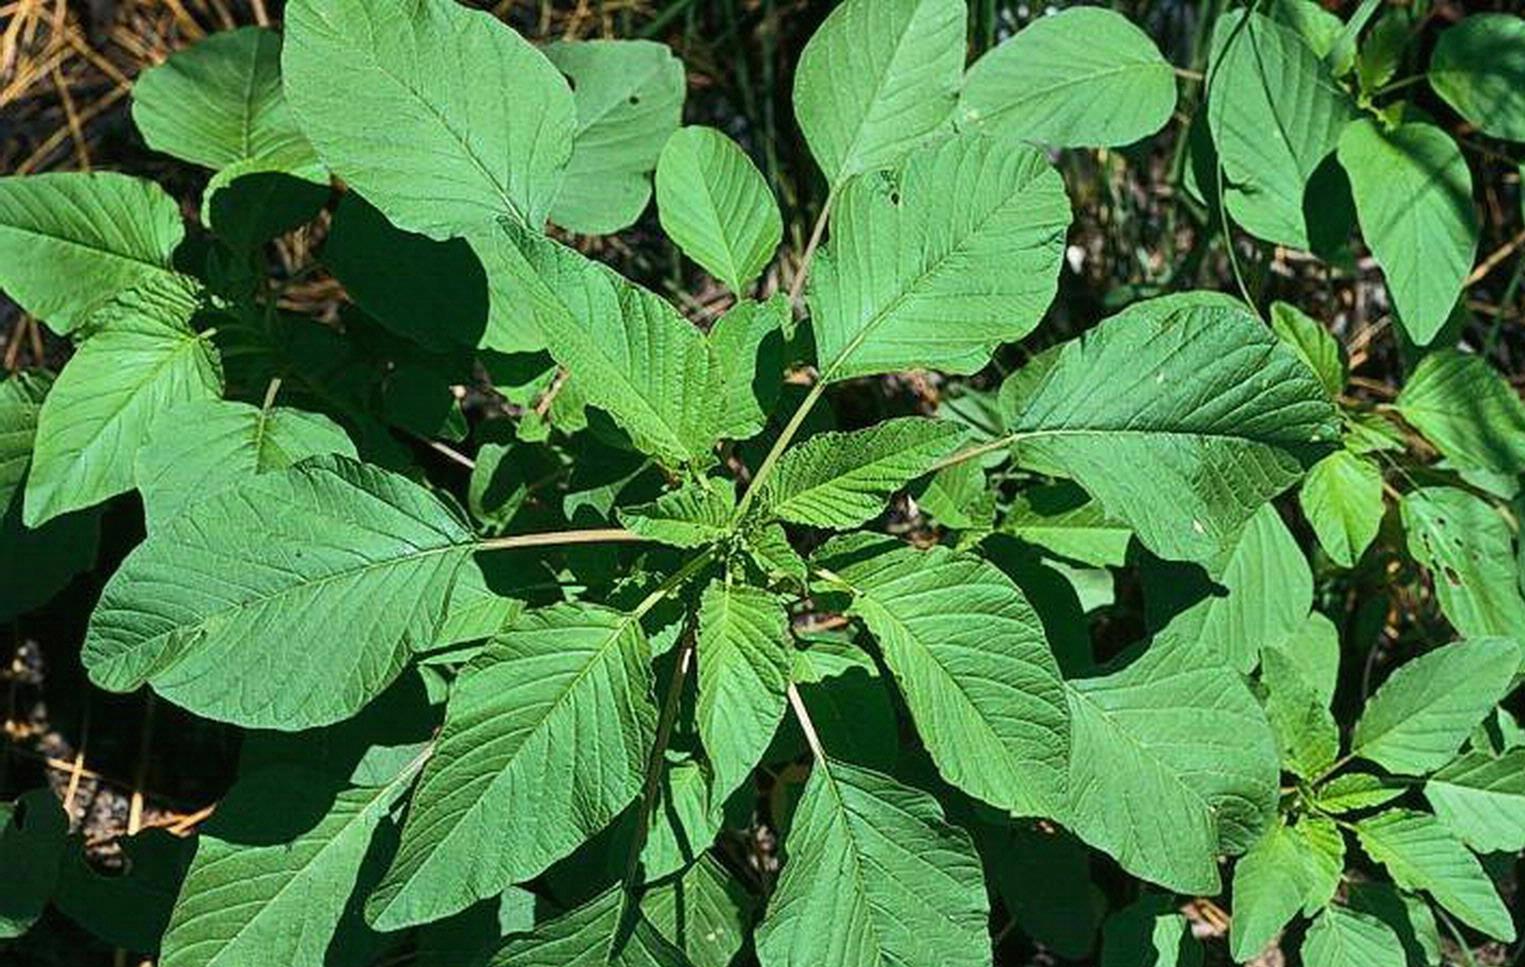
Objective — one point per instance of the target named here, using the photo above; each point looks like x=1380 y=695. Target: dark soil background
x=125 y=763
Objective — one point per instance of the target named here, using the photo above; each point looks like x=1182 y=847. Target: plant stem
x=658 y=754
x=979 y=450
x=806 y=726
x=597 y=535
x=784 y=439
x=798 y=284
x=1334 y=767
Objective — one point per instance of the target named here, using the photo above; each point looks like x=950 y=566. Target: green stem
x=1336 y=766
x=989 y=446
x=598 y=535
x=784 y=439
x=812 y=738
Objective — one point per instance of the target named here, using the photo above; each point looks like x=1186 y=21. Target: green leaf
x=877 y=79
x=1481 y=798
x=749 y=342
x=280 y=871
x=1355 y=791
x=1085 y=77
x=957 y=497
x=1306 y=732
x=629 y=97
x=1181 y=415
x=715 y=205
x=1409 y=916
x=69 y=242
x=1043 y=878
x=1273 y=881
x=1467 y=410
x=394 y=276
x=1317 y=347
x=694 y=515
x=1413 y=196
x=935 y=266
x=1465 y=544
x=1062 y=519
x=686 y=815
x=1150 y=933
x=127 y=907
x=745 y=656
x=604 y=932
x=21 y=396
x=970 y=657
x=1270 y=590
x=841 y=480
x=1420 y=854
x=704 y=913
x=380 y=91
x=545 y=741
x=32 y=831
x=1346 y=938
x=1426 y=709
x=1477 y=69
x=142 y=359
x=1342 y=499
x=327 y=576
x=874 y=876
x=219 y=102
x=199 y=448
x=1275 y=115
x=634 y=356
x=1171 y=763
x=249 y=203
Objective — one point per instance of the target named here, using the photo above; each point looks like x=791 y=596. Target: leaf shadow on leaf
x=1052 y=596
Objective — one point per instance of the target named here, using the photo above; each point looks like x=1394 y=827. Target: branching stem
x=597 y=535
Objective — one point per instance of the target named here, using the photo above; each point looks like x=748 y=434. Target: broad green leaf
x=1171 y=763
x=1326 y=861
x=219 y=103
x=286 y=601
x=768 y=547
x=1317 y=347
x=1477 y=68
x=1269 y=585
x=935 y=267
x=1043 y=878
x=127 y=907
x=280 y=871
x=1314 y=651
x=1275 y=115
x=1465 y=544
x=874 y=876
x=971 y=660
x=633 y=355
x=877 y=79
x=198 y=448
x=469 y=938
x=1481 y=799
x=1381 y=52
x=1085 y=77
x=604 y=932
x=715 y=205
x=408 y=102
x=69 y=242
x=1346 y=938
x=394 y=275
x=1150 y=933
x=545 y=741
x=142 y=359
x=745 y=656
x=1181 y=415
x=1426 y=709
x=21 y=396
x=1408 y=914
x=1355 y=791
x=1306 y=732
x=694 y=515
x=1467 y=410
x=32 y=831
x=1063 y=520
x=1342 y=499
x=1420 y=854
x=1413 y=196
x=685 y=817
x=749 y=342
x=841 y=480
x=249 y=203
x=629 y=97
x=1322 y=30
x=1273 y=881
x=957 y=497
x=705 y=913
